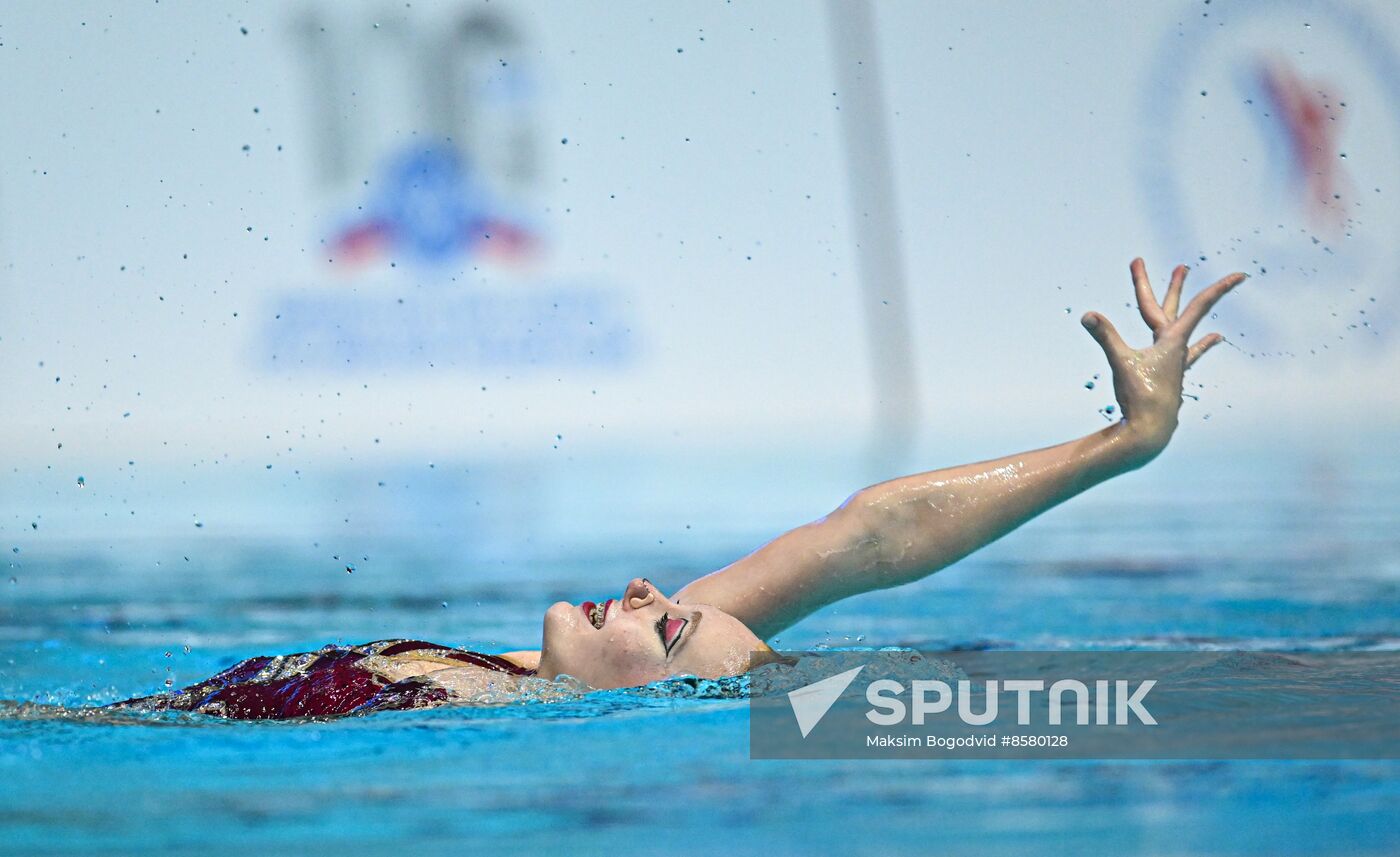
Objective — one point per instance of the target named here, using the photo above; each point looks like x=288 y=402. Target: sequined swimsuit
x=327 y=683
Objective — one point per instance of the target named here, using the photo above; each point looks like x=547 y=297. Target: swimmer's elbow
x=876 y=538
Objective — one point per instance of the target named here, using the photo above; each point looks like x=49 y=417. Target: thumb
x=1105 y=334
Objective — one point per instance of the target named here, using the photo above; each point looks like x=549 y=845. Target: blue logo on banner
x=431 y=207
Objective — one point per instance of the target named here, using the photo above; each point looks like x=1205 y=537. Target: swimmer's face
x=644 y=637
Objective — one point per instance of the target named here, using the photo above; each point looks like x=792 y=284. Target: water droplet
x=81 y=482
x=199 y=524
x=187 y=648
x=169 y=682
x=168 y=654
x=349 y=568
x=1342 y=155
x=1088 y=385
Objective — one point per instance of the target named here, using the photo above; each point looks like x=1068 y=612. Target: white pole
x=875 y=223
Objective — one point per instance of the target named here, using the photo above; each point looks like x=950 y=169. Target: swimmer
x=883 y=536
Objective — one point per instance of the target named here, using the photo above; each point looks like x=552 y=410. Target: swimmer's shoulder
x=526 y=659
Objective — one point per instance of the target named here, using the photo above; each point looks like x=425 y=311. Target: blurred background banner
x=510 y=273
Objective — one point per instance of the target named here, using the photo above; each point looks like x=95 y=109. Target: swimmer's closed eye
x=670 y=630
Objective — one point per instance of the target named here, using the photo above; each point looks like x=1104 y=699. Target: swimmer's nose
x=639 y=593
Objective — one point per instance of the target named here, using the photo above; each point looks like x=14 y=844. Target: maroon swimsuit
x=326 y=683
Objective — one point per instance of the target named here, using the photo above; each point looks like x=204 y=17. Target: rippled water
x=1274 y=567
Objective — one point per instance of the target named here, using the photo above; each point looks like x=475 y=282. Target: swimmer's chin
x=561 y=621
x=563 y=617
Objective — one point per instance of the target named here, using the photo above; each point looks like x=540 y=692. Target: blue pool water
x=1272 y=563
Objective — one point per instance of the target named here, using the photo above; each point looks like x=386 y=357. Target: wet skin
x=892 y=533
x=644 y=637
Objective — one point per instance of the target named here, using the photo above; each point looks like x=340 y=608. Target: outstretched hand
x=1148 y=381
x=905 y=529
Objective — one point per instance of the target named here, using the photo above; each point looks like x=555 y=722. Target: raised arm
x=900 y=531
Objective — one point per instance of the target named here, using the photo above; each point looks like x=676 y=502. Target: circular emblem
x=1271 y=144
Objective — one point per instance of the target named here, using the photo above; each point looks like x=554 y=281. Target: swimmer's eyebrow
x=689 y=630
